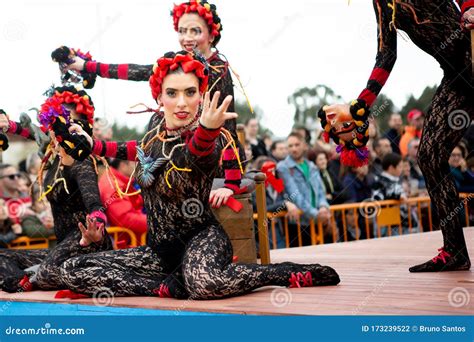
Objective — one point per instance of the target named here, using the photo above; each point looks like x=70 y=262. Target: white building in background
x=18 y=150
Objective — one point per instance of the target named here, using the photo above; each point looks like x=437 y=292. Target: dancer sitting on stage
x=188 y=253
x=434 y=26
x=71 y=188
x=199 y=27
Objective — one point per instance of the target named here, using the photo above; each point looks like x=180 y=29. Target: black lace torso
x=176 y=214
x=434 y=26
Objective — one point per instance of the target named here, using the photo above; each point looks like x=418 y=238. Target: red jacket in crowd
x=123 y=212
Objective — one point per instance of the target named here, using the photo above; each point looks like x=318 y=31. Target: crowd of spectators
x=304 y=178
x=312 y=177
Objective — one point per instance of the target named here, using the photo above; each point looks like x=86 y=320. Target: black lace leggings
x=206 y=268
x=438 y=33
x=445 y=124
x=14 y=262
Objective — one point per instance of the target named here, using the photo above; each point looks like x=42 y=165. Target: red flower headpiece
x=54 y=106
x=50 y=110
x=81 y=103
x=184 y=61
x=205 y=10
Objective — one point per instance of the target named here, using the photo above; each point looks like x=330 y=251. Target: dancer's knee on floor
x=65 y=272
x=47 y=275
x=204 y=286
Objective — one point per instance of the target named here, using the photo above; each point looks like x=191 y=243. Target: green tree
x=242 y=108
x=381 y=110
x=422 y=103
x=124 y=133
x=308 y=101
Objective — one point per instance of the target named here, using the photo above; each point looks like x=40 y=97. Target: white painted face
x=194 y=33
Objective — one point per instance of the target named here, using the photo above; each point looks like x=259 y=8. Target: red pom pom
x=351 y=158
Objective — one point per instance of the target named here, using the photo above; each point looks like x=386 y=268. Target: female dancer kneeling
x=177 y=161
x=71 y=188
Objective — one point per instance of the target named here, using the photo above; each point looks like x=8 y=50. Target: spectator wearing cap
x=413 y=130
x=395 y=132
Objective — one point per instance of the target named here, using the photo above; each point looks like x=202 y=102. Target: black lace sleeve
x=130 y=72
x=220 y=79
x=386 y=52
x=86 y=179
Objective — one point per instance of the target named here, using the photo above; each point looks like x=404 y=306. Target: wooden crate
x=239 y=227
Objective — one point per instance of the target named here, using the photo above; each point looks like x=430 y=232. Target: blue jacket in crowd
x=298 y=188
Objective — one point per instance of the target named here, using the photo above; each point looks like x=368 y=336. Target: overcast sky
x=275 y=46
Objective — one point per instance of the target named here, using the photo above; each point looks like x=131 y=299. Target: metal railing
x=371 y=219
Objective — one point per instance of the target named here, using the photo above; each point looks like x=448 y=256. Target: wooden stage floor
x=374 y=281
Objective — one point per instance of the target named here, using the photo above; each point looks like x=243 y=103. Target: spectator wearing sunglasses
x=9 y=181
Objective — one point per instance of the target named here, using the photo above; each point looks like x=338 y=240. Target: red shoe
x=304 y=275
x=163 y=291
x=25 y=284
x=69 y=294
x=445 y=261
x=301 y=280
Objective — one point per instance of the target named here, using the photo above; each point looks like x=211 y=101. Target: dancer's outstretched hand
x=77 y=129
x=468 y=19
x=94 y=232
x=77 y=65
x=213 y=117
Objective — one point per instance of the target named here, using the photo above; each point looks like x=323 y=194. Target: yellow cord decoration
x=115 y=184
x=243 y=90
x=184 y=169
x=50 y=188
x=231 y=142
x=393 y=6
